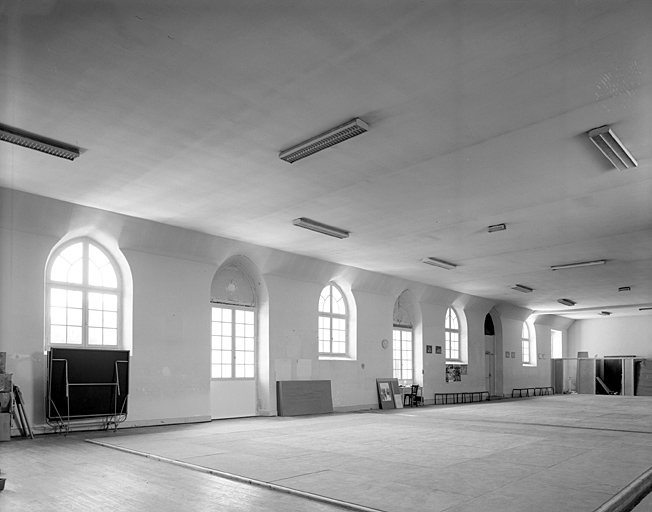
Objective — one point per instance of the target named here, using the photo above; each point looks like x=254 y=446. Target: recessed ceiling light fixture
x=604 y=313
x=496 y=227
x=566 y=302
x=439 y=263
x=521 y=288
x=625 y=289
x=324 y=229
x=611 y=146
x=38 y=143
x=325 y=140
x=580 y=264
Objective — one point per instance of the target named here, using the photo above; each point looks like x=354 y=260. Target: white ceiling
x=478 y=113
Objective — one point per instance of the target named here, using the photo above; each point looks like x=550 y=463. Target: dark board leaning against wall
x=85 y=383
x=298 y=397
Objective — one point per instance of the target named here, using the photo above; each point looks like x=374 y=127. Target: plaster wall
x=612 y=337
x=172 y=270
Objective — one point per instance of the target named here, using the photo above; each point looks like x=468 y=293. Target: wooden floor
x=569 y=452
x=64 y=473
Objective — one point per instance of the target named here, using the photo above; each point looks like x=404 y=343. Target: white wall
x=172 y=270
x=612 y=337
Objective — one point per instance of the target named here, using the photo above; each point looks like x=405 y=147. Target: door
x=233 y=356
x=490 y=364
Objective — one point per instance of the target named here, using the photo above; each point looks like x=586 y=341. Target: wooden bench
x=544 y=390
x=462 y=397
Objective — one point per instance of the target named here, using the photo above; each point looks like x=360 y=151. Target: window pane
x=110 y=336
x=110 y=319
x=102 y=273
x=58 y=297
x=74 y=335
x=109 y=276
x=94 y=336
x=74 y=316
x=339 y=306
x=59 y=271
x=325 y=301
x=94 y=275
x=95 y=319
x=95 y=300
x=75 y=299
x=58 y=316
x=76 y=272
x=57 y=334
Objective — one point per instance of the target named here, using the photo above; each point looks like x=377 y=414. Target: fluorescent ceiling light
x=604 y=313
x=28 y=140
x=497 y=227
x=320 y=228
x=612 y=148
x=581 y=264
x=325 y=140
x=566 y=302
x=625 y=289
x=521 y=288
x=439 y=263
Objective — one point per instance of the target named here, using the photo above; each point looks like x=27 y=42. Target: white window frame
x=452 y=329
x=89 y=317
x=403 y=354
x=526 y=345
x=240 y=356
x=327 y=318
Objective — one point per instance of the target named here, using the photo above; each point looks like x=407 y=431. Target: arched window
x=452 y=335
x=525 y=343
x=83 y=302
x=333 y=319
x=233 y=325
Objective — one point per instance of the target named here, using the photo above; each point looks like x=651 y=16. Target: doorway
x=489 y=355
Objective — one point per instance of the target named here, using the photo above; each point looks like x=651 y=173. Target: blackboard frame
x=87 y=383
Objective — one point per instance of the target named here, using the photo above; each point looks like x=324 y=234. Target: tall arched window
x=233 y=325
x=525 y=344
x=83 y=303
x=333 y=318
x=452 y=336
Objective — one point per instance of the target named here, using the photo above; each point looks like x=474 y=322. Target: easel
x=20 y=417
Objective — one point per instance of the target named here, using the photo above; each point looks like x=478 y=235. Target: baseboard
x=88 y=426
